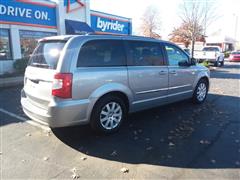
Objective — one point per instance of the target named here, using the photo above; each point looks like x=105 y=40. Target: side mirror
x=184 y=63
x=193 y=61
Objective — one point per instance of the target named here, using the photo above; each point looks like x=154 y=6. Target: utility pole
x=236 y=27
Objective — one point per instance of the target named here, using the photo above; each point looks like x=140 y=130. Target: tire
x=222 y=63
x=199 y=96
x=217 y=63
x=104 y=119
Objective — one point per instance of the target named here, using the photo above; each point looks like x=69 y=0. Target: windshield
x=46 y=54
x=210 y=49
x=235 y=52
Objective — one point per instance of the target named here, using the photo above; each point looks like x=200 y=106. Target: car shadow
x=177 y=135
x=220 y=74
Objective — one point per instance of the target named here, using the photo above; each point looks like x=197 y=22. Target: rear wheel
x=200 y=92
x=108 y=114
x=217 y=63
x=222 y=63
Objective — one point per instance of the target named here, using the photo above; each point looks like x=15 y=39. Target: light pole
x=236 y=26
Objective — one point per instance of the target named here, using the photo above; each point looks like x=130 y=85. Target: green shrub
x=226 y=54
x=21 y=64
x=205 y=63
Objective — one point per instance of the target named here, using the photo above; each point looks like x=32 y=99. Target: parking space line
x=25 y=120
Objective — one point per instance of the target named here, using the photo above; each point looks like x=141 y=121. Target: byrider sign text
x=30 y=14
x=110 y=25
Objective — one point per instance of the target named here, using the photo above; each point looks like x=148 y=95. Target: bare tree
x=183 y=34
x=197 y=15
x=150 y=26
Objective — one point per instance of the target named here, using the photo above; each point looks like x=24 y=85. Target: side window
x=175 y=55
x=145 y=54
x=102 y=53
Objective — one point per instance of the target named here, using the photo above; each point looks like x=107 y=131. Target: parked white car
x=212 y=54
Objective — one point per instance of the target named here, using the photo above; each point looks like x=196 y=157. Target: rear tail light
x=62 y=85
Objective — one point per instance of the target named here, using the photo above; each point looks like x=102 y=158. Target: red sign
x=69 y=2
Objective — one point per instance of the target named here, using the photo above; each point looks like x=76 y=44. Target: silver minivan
x=99 y=79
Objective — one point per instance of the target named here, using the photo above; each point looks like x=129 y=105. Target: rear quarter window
x=102 y=53
x=46 y=54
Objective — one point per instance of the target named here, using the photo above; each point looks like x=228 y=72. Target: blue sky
x=228 y=10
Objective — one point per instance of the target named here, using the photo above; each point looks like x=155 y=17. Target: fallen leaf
x=74 y=170
x=45 y=158
x=213 y=161
x=74 y=175
x=28 y=134
x=83 y=158
x=149 y=148
x=124 y=170
x=171 y=144
x=114 y=153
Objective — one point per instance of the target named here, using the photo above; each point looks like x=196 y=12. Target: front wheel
x=217 y=63
x=222 y=63
x=200 y=92
x=108 y=114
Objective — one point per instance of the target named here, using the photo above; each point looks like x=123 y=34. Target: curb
x=11 y=81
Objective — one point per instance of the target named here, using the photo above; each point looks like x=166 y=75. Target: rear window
x=102 y=53
x=210 y=49
x=46 y=54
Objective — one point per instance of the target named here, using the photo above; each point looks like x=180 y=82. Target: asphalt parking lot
x=177 y=141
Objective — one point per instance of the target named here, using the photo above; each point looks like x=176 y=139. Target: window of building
x=102 y=53
x=29 y=39
x=145 y=54
x=175 y=55
x=5 y=47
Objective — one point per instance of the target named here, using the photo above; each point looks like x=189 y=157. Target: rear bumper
x=234 y=59
x=57 y=114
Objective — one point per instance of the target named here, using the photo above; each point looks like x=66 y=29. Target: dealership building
x=24 y=22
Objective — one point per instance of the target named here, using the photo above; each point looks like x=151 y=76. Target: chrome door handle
x=173 y=72
x=162 y=73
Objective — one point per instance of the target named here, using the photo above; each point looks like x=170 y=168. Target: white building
x=23 y=22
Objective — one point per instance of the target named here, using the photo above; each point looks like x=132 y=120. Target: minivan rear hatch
x=39 y=74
